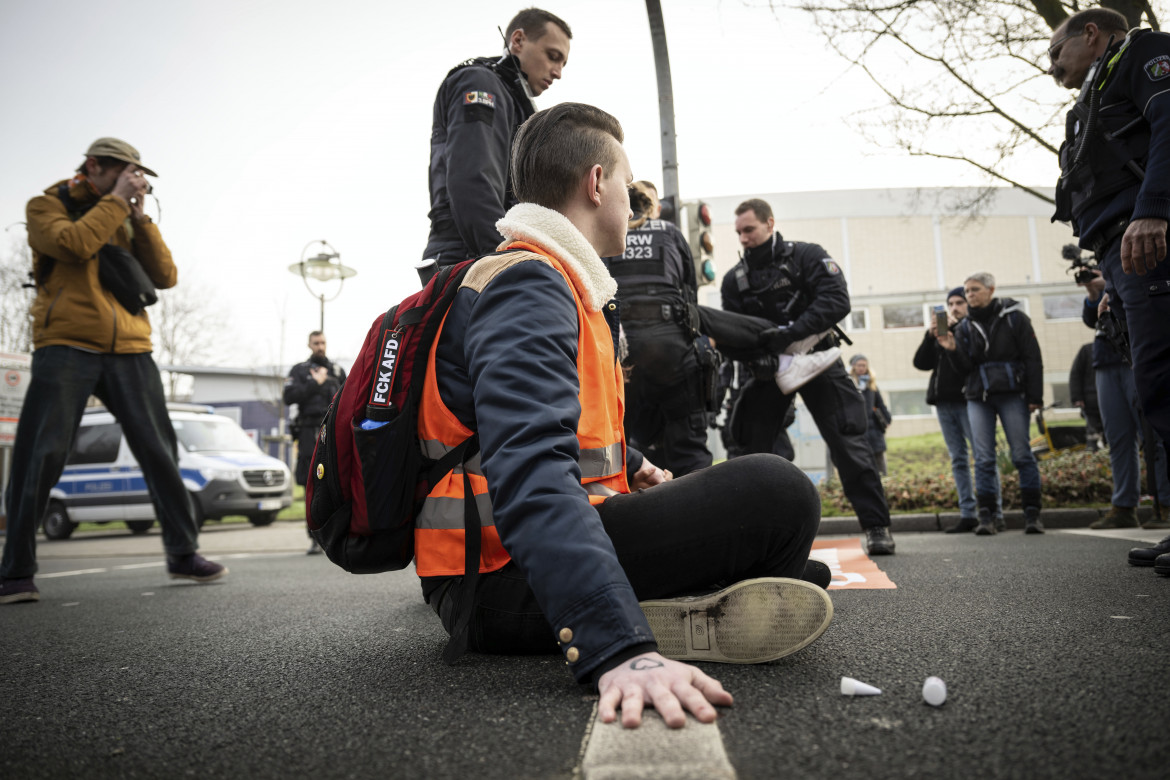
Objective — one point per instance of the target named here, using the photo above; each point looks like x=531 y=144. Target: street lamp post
x=325 y=266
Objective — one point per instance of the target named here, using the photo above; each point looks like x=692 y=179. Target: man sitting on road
x=576 y=527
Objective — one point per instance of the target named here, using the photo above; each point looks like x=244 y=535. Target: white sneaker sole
x=750 y=622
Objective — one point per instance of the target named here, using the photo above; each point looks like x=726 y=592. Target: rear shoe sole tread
x=750 y=622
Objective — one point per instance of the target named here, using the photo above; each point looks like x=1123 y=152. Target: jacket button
x=573 y=655
x=612 y=306
x=566 y=635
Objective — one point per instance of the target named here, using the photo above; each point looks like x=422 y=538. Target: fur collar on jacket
x=552 y=231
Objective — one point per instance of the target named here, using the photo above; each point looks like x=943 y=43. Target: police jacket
x=791 y=283
x=655 y=275
x=507 y=365
x=996 y=349
x=301 y=388
x=946 y=383
x=1104 y=353
x=478 y=108
x=72 y=308
x=1115 y=161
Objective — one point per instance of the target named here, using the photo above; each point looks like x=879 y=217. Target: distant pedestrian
x=996 y=347
x=879 y=416
x=1082 y=390
x=944 y=392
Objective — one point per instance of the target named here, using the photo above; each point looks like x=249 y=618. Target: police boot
x=986 y=525
x=1031 y=501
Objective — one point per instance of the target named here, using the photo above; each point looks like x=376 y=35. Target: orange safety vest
x=439 y=534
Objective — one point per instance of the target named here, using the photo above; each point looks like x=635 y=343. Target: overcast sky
x=274 y=123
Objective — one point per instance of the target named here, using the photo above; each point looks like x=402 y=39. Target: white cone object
x=851 y=687
x=934 y=691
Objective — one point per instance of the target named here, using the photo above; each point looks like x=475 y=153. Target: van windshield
x=212 y=436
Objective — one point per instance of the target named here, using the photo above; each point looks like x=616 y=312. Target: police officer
x=800 y=288
x=672 y=367
x=311 y=385
x=478 y=108
x=1115 y=178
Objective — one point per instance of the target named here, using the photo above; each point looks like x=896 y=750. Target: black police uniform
x=478 y=108
x=797 y=285
x=1115 y=168
x=312 y=402
x=672 y=381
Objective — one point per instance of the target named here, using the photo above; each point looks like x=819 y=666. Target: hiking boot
x=1157 y=520
x=986 y=524
x=805 y=368
x=1145 y=556
x=878 y=540
x=750 y=622
x=17 y=590
x=194 y=567
x=818 y=573
x=1117 y=517
x=1000 y=524
x=965 y=525
x=1032 y=525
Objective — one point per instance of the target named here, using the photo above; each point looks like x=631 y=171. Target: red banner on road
x=852 y=569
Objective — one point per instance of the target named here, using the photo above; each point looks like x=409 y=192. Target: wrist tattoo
x=641 y=664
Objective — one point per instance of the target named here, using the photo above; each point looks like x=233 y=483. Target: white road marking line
x=653 y=751
x=71 y=573
x=141 y=565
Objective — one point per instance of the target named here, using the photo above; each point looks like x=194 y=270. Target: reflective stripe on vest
x=439 y=533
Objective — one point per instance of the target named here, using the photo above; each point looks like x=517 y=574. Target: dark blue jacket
x=1001 y=355
x=507 y=368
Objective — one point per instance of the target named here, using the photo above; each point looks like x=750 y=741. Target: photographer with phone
x=86 y=342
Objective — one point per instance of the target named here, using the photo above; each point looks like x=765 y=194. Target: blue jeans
x=956 y=431
x=1012 y=410
x=1117 y=396
x=1145 y=304
x=63 y=378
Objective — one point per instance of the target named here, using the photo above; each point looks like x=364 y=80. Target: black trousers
x=307 y=428
x=63 y=378
x=840 y=414
x=666 y=416
x=754 y=516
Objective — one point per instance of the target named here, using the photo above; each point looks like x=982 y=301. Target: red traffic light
x=704 y=214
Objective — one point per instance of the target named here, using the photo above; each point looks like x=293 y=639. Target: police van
x=222 y=468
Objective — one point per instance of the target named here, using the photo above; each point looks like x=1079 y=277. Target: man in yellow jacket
x=85 y=342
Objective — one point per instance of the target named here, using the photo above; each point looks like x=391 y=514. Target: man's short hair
x=315 y=333
x=555 y=147
x=1106 y=19
x=984 y=278
x=534 y=22
x=761 y=209
x=105 y=162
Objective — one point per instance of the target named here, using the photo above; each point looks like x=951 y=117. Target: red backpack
x=369 y=476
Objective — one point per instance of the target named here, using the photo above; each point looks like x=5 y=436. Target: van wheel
x=262 y=519
x=139 y=527
x=56 y=523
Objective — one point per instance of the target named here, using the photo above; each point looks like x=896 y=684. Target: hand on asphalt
x=670 y=687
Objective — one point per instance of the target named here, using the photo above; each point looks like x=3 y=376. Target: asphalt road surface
x=1051 y=648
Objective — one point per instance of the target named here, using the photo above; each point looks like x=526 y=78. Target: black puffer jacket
x=997 y=350
x=946 y=383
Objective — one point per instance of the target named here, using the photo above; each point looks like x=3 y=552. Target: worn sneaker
x=750 y=622
x=878 y=541
x=195 y=567
x=805 y=368
x=1117 y=517
x=17 y=590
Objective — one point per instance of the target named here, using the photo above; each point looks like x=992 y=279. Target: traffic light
x=697 y=228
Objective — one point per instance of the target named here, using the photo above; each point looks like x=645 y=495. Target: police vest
x=1102 y=155
x=439 y=534
x=772 y=290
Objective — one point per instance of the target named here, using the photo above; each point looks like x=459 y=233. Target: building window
x=903 y=315
x=1063 y=307
x=903 y=402
x=856 y=322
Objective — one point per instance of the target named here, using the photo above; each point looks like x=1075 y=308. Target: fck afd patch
x=1158 y=68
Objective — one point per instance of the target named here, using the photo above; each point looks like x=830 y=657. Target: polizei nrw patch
x=1158 y=68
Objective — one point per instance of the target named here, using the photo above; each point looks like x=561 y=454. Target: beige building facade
x=901 y=250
